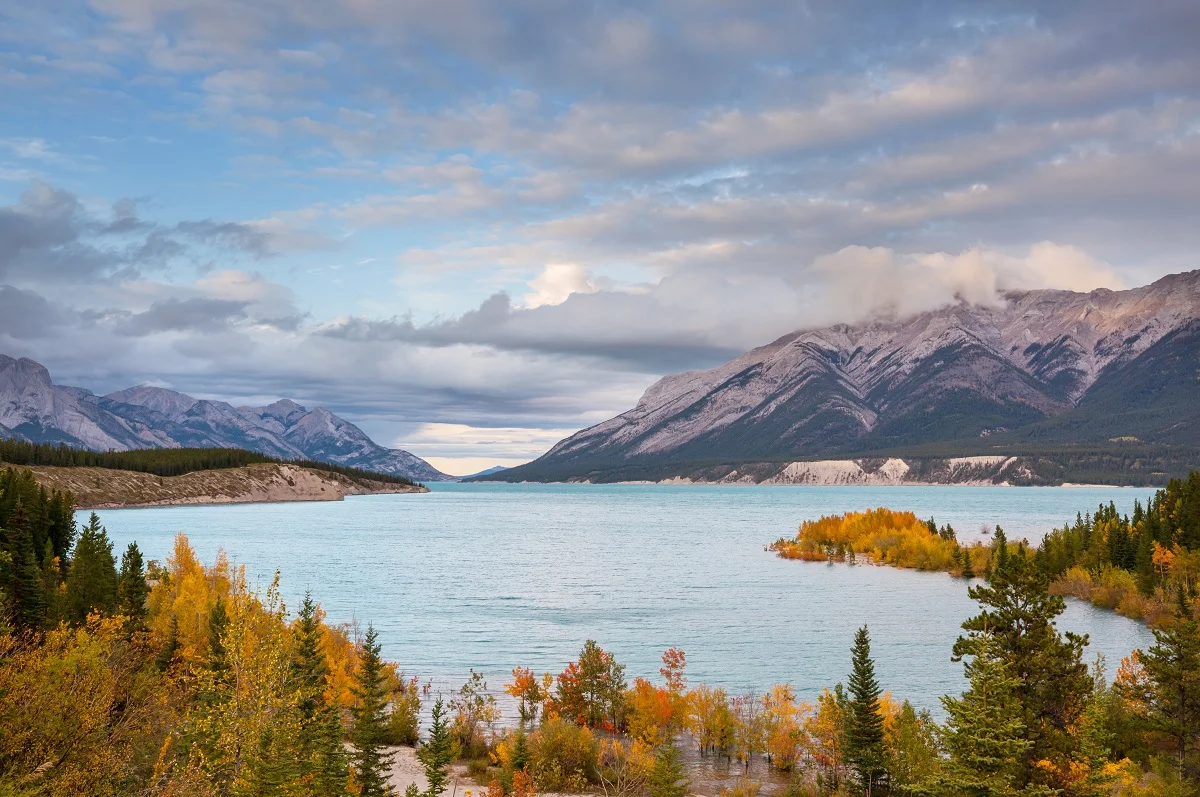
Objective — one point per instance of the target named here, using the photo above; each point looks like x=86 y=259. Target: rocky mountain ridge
x=33 y=408
x=1038 y=367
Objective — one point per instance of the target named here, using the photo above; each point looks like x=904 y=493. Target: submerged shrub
x=1075 y=583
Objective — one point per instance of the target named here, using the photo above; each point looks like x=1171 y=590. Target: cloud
x=698 y=317
x=49 y=234
x=26 y=315
x=184 y=315
x=557 y=282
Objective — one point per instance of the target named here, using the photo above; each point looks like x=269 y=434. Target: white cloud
x=558 y=281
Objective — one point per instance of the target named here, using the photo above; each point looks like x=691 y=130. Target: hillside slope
x=1040 y=369
x=96 y=488
x=33 y=408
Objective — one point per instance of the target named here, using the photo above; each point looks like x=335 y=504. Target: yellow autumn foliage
x=883 y=536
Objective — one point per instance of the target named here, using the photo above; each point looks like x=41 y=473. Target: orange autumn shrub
x=882 y=535
x=650 y=712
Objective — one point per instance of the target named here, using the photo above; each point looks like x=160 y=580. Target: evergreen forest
x=167 y=461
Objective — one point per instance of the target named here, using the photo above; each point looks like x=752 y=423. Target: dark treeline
x=1133 y=564
x=167 y=461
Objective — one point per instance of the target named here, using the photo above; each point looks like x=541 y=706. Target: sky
x=473 y=227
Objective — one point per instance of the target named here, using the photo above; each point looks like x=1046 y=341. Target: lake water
x=495 y=576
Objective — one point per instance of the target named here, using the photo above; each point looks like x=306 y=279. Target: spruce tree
x=1173 y=666
x=369 y=761
x=166 y=656
x=435 y=755
x=218 y=625
x=667 y=776
x=1001 y=548
x=132 y=590
x=984 y=735
x=26 y=600
x=968 y=572
x=322 y=756
x=864 y=724
x=1052 y=681
x=520 y=754
x=52 y=596
x=92 y=582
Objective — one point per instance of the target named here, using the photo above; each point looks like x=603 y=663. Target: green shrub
x=563 y=756
x=477 y=770
x=403 y=725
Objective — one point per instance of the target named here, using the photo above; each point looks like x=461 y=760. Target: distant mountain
x=484 y=472
x=33 y=408
x=1044 y=368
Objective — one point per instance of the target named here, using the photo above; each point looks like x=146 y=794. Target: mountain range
x=1036 y=371
x=33 y=408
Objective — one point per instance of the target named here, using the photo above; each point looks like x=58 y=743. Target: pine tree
x=1052 y=681
x=435 y=755
x=369 y=761
x=864 y=726
x=520 y=754
x=132 y=590
x=968 y=572
x=26 y=599
x=1001 y=548
x=1173 y=666
x=984 y=735
x=92 y=582
x=667 y=777
x=166 y=656
x=52 y=596
x=322 y=755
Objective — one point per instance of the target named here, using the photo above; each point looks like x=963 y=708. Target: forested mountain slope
x=1041 y=369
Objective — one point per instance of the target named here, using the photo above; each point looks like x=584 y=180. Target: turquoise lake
x=495 y=576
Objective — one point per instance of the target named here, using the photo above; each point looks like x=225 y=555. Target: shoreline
x=687 y=482
x=265 y=483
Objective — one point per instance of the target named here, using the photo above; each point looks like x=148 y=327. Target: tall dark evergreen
x=92 y=582
x=166 y=655
x=132 y=589
x=54 y=593
x=864 y=723
x=322 y=756
x=437 y=752
x=368 y=761
x=1052 y=682
x=218 y=623
x=1173 y=668
x=26 y=599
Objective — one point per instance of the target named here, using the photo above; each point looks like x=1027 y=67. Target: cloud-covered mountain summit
x=1044 y=367
x=33 y=408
